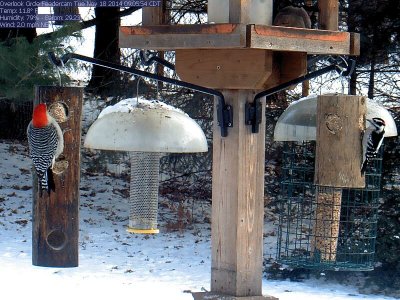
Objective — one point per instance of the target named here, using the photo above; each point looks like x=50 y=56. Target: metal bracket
x=148 y=58
x=224 y=111
x=253 y=113
x=224 y=117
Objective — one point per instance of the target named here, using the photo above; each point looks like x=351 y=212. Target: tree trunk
x=104 y=81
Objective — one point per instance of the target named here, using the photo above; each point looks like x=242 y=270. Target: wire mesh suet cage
x=322 y=227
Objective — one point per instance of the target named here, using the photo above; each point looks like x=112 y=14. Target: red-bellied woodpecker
x=46 y=143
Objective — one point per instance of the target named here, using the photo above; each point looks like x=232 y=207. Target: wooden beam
x=250 y=12
x=355 y=44
x=225 y=68
x=231 y=36
x=156 y=16
x=238 y=203
x=171 y=37
x=299 y=40
x=153 y=15
x=55 y=217
x=328 y=16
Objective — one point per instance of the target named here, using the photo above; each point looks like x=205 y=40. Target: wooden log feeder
x=55 y=224
x=240 y=53
x=340 y=122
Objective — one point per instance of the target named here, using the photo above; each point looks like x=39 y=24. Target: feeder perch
x=322 y=226
x=145 y=128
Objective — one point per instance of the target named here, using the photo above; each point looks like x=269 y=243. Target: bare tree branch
x=89 y=23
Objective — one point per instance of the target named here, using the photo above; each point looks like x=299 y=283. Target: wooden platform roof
x=236 y=36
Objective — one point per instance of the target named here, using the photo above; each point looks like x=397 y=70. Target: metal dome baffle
x=324 y=227
x=146 y=128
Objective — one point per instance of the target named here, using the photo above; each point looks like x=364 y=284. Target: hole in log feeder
x=333 y=123
x=60 y=166
x=56 y=239
x=59 y=111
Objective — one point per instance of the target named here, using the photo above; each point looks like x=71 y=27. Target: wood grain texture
x=340 y=122
x=171 y=37
x=225 y=69
x=328 y=15
x=238 y=203
x=231 y=36
x=55 y=218
x=299 y=40
x=153 y=15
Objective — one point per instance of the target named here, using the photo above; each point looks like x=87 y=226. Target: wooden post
x=55 y=224
x=238 y=203
x=340 y=121
x=156 y=16
x=328 y=15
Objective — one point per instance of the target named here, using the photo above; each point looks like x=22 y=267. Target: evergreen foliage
x=24 y=65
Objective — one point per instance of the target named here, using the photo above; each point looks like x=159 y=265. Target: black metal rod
x=66 y=57
x=298 y=80
x=149 y=60
x=343 y=67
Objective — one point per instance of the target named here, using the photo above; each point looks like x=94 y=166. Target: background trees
x=377 y=76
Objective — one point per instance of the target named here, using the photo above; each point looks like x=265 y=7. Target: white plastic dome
x=298 y=121
x=146 y=126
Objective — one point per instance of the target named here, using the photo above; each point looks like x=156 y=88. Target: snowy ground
x=113 y=262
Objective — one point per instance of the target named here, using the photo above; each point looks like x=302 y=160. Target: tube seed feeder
x=145 y=128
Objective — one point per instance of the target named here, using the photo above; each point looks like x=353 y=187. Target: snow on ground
x=112 y=262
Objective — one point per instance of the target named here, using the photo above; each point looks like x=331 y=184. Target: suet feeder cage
x=146 y=129
x=324 y=227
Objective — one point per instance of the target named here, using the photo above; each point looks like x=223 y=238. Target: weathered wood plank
x=171 y=37
x=238 y=203
x=299 y=39
x=355 y=44
x=55 y=217
x=229 y=36
x=153 y=15
x=156 y=16
x=340 y=121
x=328 y=15
x=225 y=68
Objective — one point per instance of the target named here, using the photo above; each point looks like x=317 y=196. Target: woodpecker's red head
x=39 y=118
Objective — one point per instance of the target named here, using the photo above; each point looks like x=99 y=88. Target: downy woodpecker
x=372 y=140
x=46 y=143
